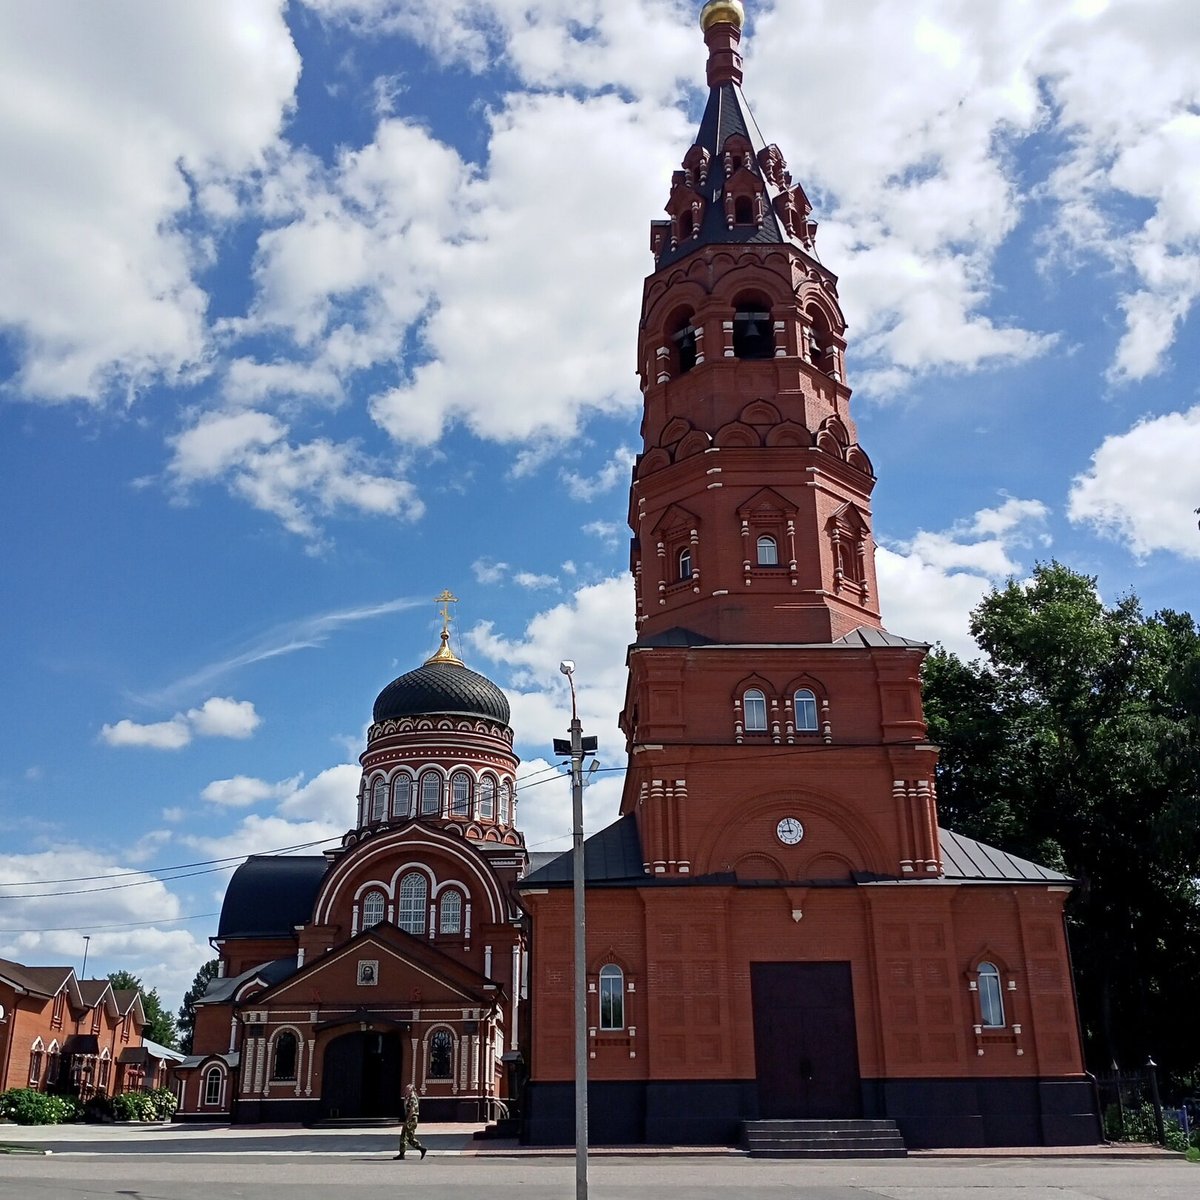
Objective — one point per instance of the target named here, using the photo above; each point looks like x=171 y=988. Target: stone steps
x=823 y=1139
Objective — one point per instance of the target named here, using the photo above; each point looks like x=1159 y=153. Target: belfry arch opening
x=753 y=330
x=683 y=342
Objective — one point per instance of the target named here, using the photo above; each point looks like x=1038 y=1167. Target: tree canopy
x=160 y=1022
x=1076 y=743
x=187 y=1011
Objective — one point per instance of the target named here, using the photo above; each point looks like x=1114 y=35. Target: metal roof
x=223 y=987
x=968 y=860
x=615 y=853
x=442 y=687
x=864 y=637
x=269 y=895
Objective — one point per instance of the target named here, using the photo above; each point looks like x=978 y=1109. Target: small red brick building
x=777 y=927
x=63 y=1034
x=398 y=957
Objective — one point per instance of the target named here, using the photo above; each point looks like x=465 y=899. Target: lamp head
x=567 y=666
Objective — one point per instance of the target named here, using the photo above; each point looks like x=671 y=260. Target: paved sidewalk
x=456 y=1140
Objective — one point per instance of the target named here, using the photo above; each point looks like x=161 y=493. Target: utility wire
x=116 y=925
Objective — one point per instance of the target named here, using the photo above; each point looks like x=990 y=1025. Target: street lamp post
x=577 y=747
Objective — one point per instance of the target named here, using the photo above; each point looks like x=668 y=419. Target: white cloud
x=593 y=628
x=929 y=584
x=297 y=483
x=222 y=716
x=1142 y=486
x=611 y=533
x=487 y=570
x=43 y=925
x=328 y=797
x=614 y=472
x=532 y=582
x=108 y=119
x=257 y=834
x=174 y=815
x=160 y=735
x=219 y=716
x=242 y=791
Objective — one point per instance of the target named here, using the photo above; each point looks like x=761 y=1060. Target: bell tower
x=761 y=664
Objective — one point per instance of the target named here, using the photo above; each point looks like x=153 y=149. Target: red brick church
x=777 y=926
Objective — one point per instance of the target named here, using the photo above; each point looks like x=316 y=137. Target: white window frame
x=805 y=701
x=431 y=809
x=450 y=894
x=755 y=697
x=402 y=809
x=367 y=922
x=611 y=995
x=460 y=794
x=410 y=916
x=767 y=543
x=991 y=996
x=207 y=1088
x=379 y=799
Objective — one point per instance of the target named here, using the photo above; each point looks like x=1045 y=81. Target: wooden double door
x=805 y=1040
x=361 y=1076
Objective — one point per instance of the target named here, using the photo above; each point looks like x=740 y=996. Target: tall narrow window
x=508 y=812
x=379 y=800
x=743 y=211
x=212 y=1086
x=414 y=893
x=806 y=711
x=284 y=1063
x=35 y=1063
x=431 y=794
x=401 y=796
x=754 y=708
x=487 y=799
x=374 y=909
x=441 y=1054
x=460 y=795
x=768 y=551
x=991 y=997
x=612 y=997
x=450 y=912
x=685 y=564
x=105 y=1068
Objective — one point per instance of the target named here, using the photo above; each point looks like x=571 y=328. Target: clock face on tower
x=789 y=831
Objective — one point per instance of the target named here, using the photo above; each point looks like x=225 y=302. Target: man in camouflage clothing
x=412 y=1116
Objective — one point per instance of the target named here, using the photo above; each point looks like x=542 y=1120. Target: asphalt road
x=281 y=1176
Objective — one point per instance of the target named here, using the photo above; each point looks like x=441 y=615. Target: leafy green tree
x=187 y=1012
x=160 y=1022
x=1076 y=743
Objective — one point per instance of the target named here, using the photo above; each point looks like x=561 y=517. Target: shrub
x=25 y=1106
x=165 y=1103
x=157 y=1105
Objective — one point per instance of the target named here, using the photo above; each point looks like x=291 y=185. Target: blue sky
x=312 y=310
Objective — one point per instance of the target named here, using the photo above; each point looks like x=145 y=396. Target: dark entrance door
x=361 y=1076
x=805 y=1044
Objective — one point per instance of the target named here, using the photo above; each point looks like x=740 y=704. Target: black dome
x=441 y=687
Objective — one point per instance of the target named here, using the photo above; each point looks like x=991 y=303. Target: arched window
x=768 y=551
x=374 y=909
x=283 y=1064
x=53 y=1065
x=431 y=794
x=806 y=711
x=754 y=709
x=991 y=996
x=753 y=332
x=213 y=1079
x=612 y=997
x=450 y=912
x=487 y=799
x=401 y=796
x=685 y=564
x=379 y=799
x=441 y=1055
x=508 y=812
x=35 y=1063
x=105 y=1067
x=414 y=892
x=460 y=795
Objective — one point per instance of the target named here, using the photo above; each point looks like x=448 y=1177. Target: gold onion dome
x=722 y=12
